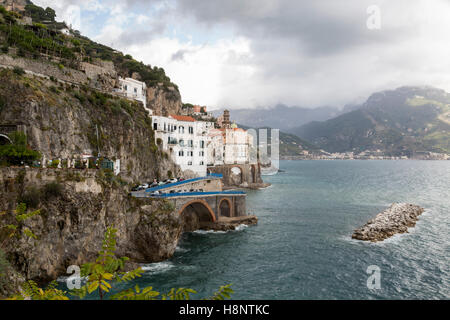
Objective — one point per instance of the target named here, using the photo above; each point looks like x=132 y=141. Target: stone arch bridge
x=209 y=210
x=201 y=203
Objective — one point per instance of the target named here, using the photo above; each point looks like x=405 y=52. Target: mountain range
x=398 y=122
x=283 y=117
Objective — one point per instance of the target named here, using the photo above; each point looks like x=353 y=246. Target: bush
x=19 y=71
x=54 y=164
x=2 y=103
x=4 y=271
x=52 y=190
x=32 y=197
x=18 y=152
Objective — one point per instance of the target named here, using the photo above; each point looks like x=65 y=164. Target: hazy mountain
x=290 y=145
x=401 y=121
x=282 y=117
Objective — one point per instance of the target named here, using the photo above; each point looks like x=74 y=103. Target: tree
x=18 y=152
x=18 y=229
x=101 y=275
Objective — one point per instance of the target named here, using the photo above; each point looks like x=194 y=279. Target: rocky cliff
x=74 y=218
x=164 y=101
x=62 y=120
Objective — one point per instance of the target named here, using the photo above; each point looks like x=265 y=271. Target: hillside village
x=192 y=138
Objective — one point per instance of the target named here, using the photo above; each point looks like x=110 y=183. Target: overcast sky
x=257 y=53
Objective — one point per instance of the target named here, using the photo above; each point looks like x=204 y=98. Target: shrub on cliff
x=52 y=190
x=19 y=71
x=31 y=197
x=2 y=103
x=18 y=152
x=4 y=271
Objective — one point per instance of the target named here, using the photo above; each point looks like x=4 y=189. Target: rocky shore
x=396 y=219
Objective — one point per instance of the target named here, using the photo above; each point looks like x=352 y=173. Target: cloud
x=254 y=53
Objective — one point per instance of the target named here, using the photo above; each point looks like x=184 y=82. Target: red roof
x=182 y=118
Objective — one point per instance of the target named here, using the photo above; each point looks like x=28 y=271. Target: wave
x=180 y=249
x=240 y=227
x=158 y=267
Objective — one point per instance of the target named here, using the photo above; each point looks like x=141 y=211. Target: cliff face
x=73 y=221
x=61 y=121
x=164 y=101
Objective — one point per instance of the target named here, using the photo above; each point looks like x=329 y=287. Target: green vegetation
x=10 y=231
x=33 y=196
x=18 y=229
x=4 y=271
x=18 y=152
x=52 y=190
x=19 y=71
x=43 y=39
x=103 y=273
x=2 y=103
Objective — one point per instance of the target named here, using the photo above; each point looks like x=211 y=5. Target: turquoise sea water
x=302 y=246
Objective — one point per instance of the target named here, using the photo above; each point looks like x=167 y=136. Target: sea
x=302 y=246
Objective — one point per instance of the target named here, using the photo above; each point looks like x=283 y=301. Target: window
x=181 y=153
x=202 y=144
x=201 y=153
x=202 y=163
x=155 y=126
x=181 y=143
x=190 y=143
x=191 y=130
x=190 y=163
x=135 y=90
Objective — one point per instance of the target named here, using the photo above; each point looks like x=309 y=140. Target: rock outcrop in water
x=397 y=219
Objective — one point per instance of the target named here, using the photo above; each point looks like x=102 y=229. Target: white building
x=134 y=89
x=184 y=139
x=237 y=146
x=215 y=147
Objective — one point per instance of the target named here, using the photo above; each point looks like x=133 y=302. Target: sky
x=259 y=53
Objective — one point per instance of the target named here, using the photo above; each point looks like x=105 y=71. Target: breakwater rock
x=396 y=219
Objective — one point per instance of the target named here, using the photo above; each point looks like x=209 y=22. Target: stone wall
x=44 y=68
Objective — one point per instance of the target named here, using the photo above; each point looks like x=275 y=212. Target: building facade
x=134 y=89
x=215 y=147
x=184 y=139
x=237 y=146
